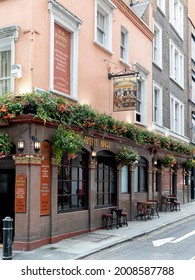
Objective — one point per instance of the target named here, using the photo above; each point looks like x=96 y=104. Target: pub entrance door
x=7 y=191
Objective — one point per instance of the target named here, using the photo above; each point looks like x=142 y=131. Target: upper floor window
x=124 y=45
x=193 y=127
x=176 y=16
x=161 y=5
x=193 y=87
x=103 y=23
x=8 y=35
x=142 y=100
x=193 y=47
x=157 y=45
x=157 y=104
x=177 y=115
x=176 y=65
x=63 y=50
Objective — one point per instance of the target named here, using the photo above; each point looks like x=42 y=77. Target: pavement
x=84 y=245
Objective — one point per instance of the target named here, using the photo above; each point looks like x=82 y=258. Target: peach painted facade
x=34 y=44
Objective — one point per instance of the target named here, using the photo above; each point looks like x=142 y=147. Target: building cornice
x=120 y=4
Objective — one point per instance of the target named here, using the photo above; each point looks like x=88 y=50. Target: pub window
x=105 y=180
x=125 y=179
x=141 y=176
x=73 y=183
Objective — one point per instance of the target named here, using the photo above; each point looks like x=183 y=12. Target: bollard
x=7 y=238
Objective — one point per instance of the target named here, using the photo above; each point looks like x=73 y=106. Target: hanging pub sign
x=125 y=88
x=45 y=179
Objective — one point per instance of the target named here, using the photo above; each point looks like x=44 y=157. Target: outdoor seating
x=124 y=217
x=117 y=216
x=107 y=221
x=143 y=210
x=175 y=204
x=165 y=203
x=154 y=208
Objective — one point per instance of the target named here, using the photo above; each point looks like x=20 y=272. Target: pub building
x=48 y=203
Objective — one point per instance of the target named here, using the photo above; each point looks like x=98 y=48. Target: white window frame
x=71 y=23
x=193 y=88
x=157 y=45
x=124 y=47
x=157 y=104
x=176 y=16
x=144 y=100
x=105 y=8
x=161 y=5
x=8 y=37
x=176 y=64
x=176 y=115
x=193 y=47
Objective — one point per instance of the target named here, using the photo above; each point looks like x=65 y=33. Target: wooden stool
x=124 y=216
x=108 y=222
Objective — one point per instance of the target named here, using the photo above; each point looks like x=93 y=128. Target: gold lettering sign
x=94 y=142
x=20 y=194
x=105 y=144
x=90 y=141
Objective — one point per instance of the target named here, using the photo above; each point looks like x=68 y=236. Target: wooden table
x=145 y=209
x=118 y=212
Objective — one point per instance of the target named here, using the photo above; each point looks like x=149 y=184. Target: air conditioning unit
x=16 y=71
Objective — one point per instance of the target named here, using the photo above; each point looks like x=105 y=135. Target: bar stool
x=124 y=217
x=107 y=220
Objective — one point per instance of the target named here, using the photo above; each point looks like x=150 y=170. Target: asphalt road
x=173 y=242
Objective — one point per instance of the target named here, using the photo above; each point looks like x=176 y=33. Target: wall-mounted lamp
x=20 y=144
x=93 y=153
x=37 y=143
x=155 y=161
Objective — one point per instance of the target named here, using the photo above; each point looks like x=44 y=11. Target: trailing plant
x=126 y=156
x=49 y=107
x=168 y=160
x=66 y=140
x=189 y=164
x=9 y=107
x=5 y=144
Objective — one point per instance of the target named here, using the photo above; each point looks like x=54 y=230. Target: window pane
x=72 y=183
x=125 y=179
x=5 y=71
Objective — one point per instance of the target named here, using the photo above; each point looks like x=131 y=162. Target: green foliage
x=66 y=140
x=5 y=144
x=126 y=156
x=168 y=160
x=189 y=164
x=49 y=107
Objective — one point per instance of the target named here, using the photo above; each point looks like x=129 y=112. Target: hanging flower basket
x=189 y=164
x=168 y=161
x=5 y=144
x=66 y=140
x=127 y=156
